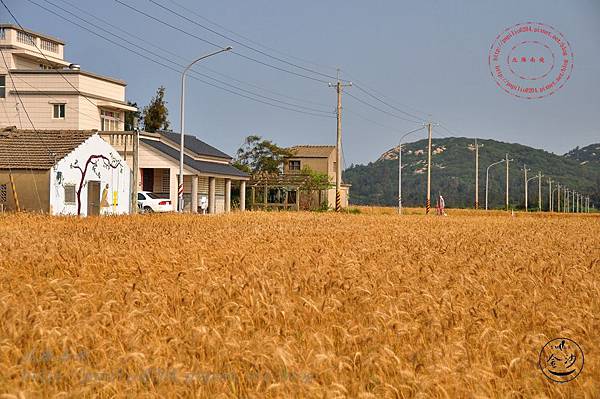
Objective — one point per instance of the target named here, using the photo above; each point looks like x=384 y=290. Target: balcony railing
x=25 y=38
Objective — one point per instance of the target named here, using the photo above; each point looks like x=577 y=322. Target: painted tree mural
x=95 y=161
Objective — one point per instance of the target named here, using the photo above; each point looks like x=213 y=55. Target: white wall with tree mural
x=97 y=161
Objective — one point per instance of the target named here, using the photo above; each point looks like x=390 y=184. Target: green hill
x=453 y=173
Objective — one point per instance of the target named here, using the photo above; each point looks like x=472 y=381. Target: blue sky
x=425 y=57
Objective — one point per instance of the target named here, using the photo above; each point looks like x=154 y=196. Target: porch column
x=211 y=195
x=243 y=195
x=173 y=185
x=227 y=195
x=194 y=193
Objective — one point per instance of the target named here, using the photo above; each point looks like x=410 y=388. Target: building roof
x=312 y=151
x=41 y=149
x=200 y=166
x=65 y=71
x=195 y=145
x=42 y=35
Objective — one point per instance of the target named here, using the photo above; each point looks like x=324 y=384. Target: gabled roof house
x=208 y=172
x=63 y=172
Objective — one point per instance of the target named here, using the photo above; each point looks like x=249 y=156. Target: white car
x=150 y=202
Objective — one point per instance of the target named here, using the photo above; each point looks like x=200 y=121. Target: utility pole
x=136 y=156
x=549 y=195
x=540 y=191
x=526 y=180
x=507 y=162
x=400 y=167
x=428 y=202
x=477 y=174
x=558 y=197
x=338 y=144
x=573 y=201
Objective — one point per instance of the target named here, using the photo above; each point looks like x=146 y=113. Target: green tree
x=132 y=118
x=316 y=182
x=156 y=114
x=258 y=155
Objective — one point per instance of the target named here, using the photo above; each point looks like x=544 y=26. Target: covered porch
x=215 y=191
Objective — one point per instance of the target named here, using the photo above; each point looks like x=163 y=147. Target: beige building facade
x=321 y=159
x=207 y=172
x=54 y=93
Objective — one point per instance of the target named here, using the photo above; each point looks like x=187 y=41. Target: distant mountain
x=453 y=173
x=584 y=155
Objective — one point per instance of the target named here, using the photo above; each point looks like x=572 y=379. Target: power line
x=78 y=111
x=182 y=66
x=386 y=103
x=381 y=110
x=313 y=112
x=374 y=122
x=108 y=23
x=356 y=81
x=217 y=45
x=250 y=40
x=43 y=55
x=240 y=43
x=51 y=156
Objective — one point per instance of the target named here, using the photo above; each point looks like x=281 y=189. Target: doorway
x=93 y=198
x=148 y=179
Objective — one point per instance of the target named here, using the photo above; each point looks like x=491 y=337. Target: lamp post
x=182 y=123
x=400 y=168
x=487 y=178
x=525 y=170
x=526 y=189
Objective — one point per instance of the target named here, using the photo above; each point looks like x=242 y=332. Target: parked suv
x=150 y=202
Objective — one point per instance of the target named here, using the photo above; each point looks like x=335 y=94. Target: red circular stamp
x=531 y=60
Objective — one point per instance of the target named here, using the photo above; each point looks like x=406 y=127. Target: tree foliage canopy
x=257 y=155
x=132 y=118
x=156 y=114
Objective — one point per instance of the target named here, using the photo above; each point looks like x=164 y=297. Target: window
x=3 y=194
x=58 y=111
x=294 y=165
x=2 y=33
x=25 y=38
x=43 y=66
x=2 y=86
x=141 y=197
x=49 y=46
x=109 y=120
x=69 y=193
x=166 y=180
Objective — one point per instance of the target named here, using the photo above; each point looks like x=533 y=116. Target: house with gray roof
x=208 y=172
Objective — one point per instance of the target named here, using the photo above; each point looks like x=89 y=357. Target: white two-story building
x=54 y=93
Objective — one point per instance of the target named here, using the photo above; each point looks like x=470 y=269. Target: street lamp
x=182 y=123
x=487 y=178
x=526 y=187
x=400 y=168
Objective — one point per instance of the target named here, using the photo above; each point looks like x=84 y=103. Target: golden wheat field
x=321 y=305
